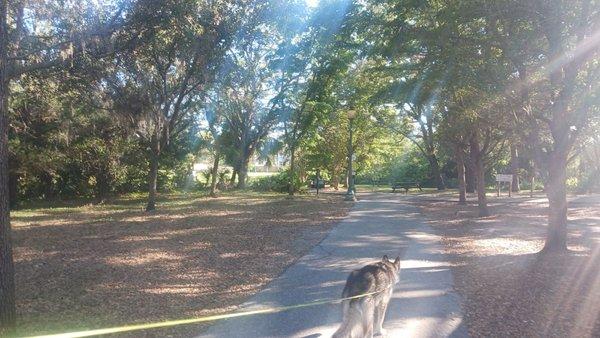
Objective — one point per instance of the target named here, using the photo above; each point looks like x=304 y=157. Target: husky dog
x=363 y=317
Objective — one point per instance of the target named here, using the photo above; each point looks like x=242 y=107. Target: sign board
x=504 y=177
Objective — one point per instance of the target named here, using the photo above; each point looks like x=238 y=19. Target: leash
x=170 y=323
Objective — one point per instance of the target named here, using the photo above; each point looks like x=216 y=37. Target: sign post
x=504 y=178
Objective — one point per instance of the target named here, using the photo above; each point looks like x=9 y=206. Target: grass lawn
x=412 y=191
x=252 y=174
x=450 y=193
x=92 y=266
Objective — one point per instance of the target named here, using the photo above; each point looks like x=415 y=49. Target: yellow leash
x=169 y=323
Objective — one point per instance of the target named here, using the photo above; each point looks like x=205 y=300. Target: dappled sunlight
x=419 y=264
x=240 y=254
x=353 y=244
x=31 y=254
x=424 y=296
x=156 y=237
x=45 y=223
x=420 y=294
x=182 y=214
x=499 y=267
x=589 y=309
x=160 y=290
x=172 y=159
x=505 y=246
x=144 y=257
x=576 y=292
x=191 y=256
x=377 y=212
x=583 y=47
x=425 y=326
x=423 y=236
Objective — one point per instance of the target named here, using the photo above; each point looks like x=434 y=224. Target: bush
x=166 y=180
x=266 y=183
x=276 y=183
x=411 y=167
x=587 y=183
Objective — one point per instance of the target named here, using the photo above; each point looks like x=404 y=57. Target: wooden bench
x=406 y=186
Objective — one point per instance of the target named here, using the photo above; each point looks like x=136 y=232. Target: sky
x=312 y=3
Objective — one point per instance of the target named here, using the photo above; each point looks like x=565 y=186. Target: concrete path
x=423 y=304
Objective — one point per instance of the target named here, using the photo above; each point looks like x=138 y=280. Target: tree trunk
x=7 y=272
x=532 y=178
x=152 y=178
x=103 y=182
x=460 y=166
x=556 y=190
x=13 y=189
x=346 y=180
x=243 y=173
x=470 y=179
x=514 y=168
x=335 y=180
x=436 y=172
x=481 y=197
x=480 y=174
x=233 y=177
x=48 y=186
x=291 y=187
x=215 y=174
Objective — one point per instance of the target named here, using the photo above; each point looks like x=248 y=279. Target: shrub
x=588 y=183
x=277 y=183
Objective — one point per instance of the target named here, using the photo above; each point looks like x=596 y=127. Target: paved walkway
x=423 y=304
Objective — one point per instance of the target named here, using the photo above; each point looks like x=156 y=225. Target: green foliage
x=277 y=183
x=62 y=146
x=426 y=74
x=410 y=167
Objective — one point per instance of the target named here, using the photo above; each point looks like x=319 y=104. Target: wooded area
x=102 y=98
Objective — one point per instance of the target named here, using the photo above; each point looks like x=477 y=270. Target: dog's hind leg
x=369 y=333
x=380 y=317
x=368 y=316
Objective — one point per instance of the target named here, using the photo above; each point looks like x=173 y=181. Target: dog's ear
x=397 y=262
x=385 y=258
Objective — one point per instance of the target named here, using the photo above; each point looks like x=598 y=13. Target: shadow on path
x=423 y=303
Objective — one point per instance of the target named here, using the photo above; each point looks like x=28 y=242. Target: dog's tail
x=357 y=315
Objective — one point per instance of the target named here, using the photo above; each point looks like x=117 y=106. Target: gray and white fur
x=363 y=317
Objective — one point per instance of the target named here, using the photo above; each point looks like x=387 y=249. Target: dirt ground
x=508 y=288
x=109 y=265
